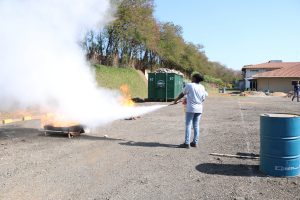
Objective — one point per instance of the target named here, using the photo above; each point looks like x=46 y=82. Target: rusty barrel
x=280 y=144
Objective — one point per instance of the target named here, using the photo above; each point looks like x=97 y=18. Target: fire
x=58 y=120
x=55 y=120
x=17 y=115
x=37 y=114
x=126 y=96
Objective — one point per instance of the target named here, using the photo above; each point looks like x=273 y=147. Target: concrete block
x=7 y=121
x=25 y=118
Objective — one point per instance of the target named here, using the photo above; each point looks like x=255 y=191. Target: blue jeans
x=192 y=118
x=296 y=95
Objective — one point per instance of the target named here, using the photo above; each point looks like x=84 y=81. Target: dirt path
x=139 y=160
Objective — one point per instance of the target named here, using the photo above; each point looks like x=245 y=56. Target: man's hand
x=179 y=97
x=174 y=103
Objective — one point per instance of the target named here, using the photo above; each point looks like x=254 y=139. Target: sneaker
x=187 y=146
x=193 y=144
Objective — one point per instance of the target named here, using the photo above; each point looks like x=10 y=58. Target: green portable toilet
x=164 y=86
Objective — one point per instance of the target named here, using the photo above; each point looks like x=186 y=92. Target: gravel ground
x=139 y=158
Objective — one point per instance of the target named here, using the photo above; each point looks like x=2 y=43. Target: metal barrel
x=280 y=144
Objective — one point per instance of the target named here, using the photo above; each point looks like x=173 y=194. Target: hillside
x=114 y=77
x=149 y=44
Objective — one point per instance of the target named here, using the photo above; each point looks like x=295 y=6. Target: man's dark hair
x=197 y=77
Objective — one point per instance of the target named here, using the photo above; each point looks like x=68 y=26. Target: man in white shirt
x=195 y=95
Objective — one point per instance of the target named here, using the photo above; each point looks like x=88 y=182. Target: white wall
x=251 y=72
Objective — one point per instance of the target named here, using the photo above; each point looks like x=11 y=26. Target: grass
x=114 y=77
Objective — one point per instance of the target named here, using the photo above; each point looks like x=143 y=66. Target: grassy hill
x=114 y=77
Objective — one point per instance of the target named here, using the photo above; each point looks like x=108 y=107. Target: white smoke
x=42 y=63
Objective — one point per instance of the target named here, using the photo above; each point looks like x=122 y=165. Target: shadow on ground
x=13 y=132
x=230 y=169
x=20 y=129
x=148 y=144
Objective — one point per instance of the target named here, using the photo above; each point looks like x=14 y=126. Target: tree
x=136 y=39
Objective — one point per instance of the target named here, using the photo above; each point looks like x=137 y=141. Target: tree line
x=136 y=39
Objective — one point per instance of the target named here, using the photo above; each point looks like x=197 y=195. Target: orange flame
x=55 y=120
x=126 y=96
x=38 y=114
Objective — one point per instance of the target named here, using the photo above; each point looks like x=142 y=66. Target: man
x=296 y=91
x=195 y=95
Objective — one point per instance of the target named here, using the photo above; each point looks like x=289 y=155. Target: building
x=251 y=73
x=279 y=80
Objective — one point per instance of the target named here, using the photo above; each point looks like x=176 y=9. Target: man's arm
x=179 y=97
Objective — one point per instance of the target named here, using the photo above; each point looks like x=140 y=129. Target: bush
x=210 y=79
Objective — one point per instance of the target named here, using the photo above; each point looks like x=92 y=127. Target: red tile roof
x=271 y=65
x=285 y=72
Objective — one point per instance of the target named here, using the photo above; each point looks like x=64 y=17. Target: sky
x=238 y=32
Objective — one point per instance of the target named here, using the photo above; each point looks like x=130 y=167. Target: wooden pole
x=234 y=156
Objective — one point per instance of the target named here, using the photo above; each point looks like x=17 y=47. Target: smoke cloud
x=42 y=63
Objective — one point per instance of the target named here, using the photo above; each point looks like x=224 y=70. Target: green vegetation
x=212 y=80
x=136 y=39
x=113 y=78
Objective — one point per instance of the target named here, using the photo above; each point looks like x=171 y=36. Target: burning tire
x=71 y=131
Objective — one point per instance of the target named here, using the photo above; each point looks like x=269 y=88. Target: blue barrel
x=280 y=144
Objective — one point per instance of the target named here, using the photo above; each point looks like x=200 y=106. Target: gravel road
x=139 y=158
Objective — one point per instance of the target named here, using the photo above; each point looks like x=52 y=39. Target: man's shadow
x=148 y=144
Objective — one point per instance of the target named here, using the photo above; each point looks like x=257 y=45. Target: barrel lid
x=280 y=115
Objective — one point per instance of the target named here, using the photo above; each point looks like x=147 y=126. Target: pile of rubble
x=166 y=70
x=279 y=94
x=263 y=94
x=253 y=93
